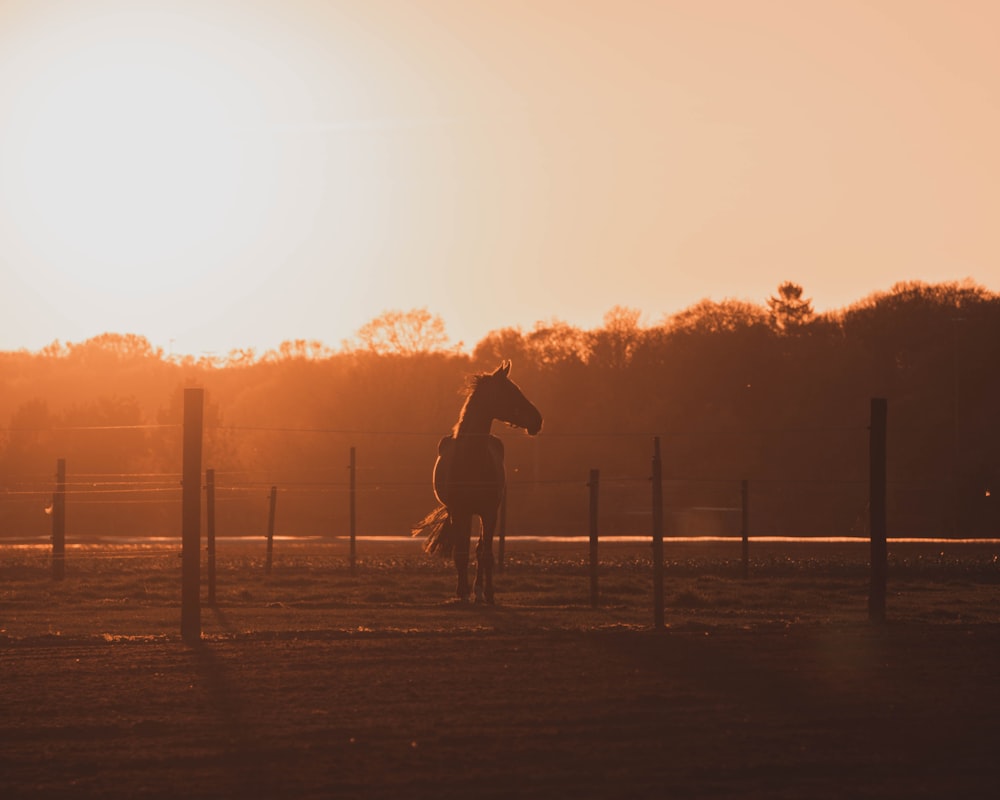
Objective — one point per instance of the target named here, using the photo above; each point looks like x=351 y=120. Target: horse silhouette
x=469 y=477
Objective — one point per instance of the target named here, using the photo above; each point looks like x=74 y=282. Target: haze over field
x=227 y=175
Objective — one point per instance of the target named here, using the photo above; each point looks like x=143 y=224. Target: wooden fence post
x=657 y=535
x=877 y=510
x=270 y=529
x=59 y=523
x=354 y=507
x=503 y=530
x=594 y=484
x=210 y=531
x=745 y=525
x=191 y=516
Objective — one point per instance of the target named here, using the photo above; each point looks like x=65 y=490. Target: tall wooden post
x=194 y=400
x=502 y=525
x=210 y=531
x=745 y=525
x=59 y=523
x=877 y=510
x=657 y=535
x=270 y=528
x=594 y=483
x=354 y=507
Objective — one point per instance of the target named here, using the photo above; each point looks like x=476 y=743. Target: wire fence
x=311 y=488
x=547 y=485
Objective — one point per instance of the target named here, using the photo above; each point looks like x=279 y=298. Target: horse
x=469 y=478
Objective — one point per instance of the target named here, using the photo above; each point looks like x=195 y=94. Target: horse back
x=469 y=473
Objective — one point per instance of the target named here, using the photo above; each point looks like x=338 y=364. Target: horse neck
x=474 y=419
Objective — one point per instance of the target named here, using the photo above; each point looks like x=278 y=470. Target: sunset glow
x=227 y=175
x=128 y=166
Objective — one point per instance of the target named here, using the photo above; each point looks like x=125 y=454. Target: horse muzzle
x=534 y=426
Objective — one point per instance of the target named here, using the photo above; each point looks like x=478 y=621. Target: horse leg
x=461 y=530
x=484 y=559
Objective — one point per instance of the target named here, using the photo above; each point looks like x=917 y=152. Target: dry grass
x=316 y=681
x=132 y=590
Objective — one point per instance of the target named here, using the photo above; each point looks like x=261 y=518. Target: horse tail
x=439 y=531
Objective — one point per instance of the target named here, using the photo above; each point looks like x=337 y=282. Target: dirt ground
x=320 y=681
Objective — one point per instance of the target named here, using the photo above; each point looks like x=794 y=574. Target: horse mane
x=472 y=383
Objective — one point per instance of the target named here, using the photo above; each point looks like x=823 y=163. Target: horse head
x=503 y=400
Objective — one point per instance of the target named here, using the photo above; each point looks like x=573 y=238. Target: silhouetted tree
x=613 y=345
x=734 y=395
x=789 y=311
x=505 y=343
x=28 y=446
x=404 y=333
x=104 y=435
x=558 y=343
x=241 y=357
x=291 y=349
x=709 y=316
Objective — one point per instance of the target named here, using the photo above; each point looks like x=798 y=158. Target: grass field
x=320 y=681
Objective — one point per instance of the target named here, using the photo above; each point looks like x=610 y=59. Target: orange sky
x=233 y=174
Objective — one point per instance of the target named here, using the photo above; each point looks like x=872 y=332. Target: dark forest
x=774 y=394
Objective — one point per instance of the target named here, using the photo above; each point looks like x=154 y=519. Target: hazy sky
x=215 y=175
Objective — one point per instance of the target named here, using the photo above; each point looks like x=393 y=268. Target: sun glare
x=126 y=166
x=129 y=155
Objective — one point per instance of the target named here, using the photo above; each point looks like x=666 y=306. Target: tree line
x=773 y=393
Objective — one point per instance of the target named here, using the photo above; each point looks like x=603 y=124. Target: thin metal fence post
x=501 y=547
x=191 y=516
x=270 y=528
x=354 y=507
x=658 y=621
x=210 y=531
x=59 y=523
x=745 y=525
x=877 y=510
x=594 y=485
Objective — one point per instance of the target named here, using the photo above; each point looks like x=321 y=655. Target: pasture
x=320 y=681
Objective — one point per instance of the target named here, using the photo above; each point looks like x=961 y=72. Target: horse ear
x=505 y=368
